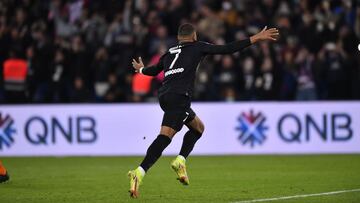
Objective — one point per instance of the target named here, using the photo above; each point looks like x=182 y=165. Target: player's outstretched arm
x=271 y=34
x=266 y=34
x=151 y=70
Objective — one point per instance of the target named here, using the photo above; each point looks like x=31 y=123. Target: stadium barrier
x=230 y=128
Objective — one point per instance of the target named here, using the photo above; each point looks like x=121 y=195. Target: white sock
x=142 y=171
x=181 y=157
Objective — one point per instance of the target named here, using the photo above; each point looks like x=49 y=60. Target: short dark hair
x=186 y=29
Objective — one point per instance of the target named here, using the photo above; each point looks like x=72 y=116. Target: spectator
x=335 y=73
x=15 y=72
x=289 y=76
x=114 y=93
x=80 y=93
x=306 y=89
x=248 y=79
x=43 y=55
x=161 y=37
x=60 y=75
x=266 y=80
x=227 y=78
x=101 y=69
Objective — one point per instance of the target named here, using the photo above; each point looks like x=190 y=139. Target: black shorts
x=177 y=111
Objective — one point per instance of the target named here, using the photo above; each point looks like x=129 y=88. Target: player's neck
x=182 y=41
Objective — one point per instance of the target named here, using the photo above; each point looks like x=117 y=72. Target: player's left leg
x=196 y=129
x=157 y=147
x=4 y=176
x=175 y=113
x=153 y=153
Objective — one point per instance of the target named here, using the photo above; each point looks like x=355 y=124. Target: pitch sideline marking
x=299 y=196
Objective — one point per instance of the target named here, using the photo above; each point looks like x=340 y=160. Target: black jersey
x=180 y=63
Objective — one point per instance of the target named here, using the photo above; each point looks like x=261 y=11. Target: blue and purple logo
x=252 y=128
x=6 y=131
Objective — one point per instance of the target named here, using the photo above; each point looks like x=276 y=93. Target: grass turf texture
x=212 y=179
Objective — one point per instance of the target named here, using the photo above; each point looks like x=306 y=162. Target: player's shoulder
x=196 y=44
x=203 y=43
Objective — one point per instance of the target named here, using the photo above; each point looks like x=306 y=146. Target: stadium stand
x=81 y=50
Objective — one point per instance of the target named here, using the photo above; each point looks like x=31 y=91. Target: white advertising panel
x=230 y=128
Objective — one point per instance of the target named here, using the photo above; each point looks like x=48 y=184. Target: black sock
x=154 y=151
x=189 y=141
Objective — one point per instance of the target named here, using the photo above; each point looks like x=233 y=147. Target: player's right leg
x=4 y=176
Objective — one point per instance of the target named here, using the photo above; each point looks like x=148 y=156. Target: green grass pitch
x=212 y=179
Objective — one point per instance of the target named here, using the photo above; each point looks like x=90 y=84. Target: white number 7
x=177 y=51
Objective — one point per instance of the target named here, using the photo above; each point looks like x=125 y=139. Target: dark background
x=81 y=50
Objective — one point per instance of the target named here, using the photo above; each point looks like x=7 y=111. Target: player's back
x=180 y=64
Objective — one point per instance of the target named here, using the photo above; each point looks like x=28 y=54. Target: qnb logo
x=6 y=131
x=252 y=128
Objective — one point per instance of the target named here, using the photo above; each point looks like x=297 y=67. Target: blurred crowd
x=60 y=51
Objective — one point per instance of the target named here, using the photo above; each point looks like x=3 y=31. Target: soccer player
x=179 y=65
x=4 y=176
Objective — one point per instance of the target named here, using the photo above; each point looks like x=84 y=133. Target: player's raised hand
x=137 y=65
x=271 y=34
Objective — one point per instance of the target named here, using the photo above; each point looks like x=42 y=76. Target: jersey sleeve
x=153 y=70
x=230 y=48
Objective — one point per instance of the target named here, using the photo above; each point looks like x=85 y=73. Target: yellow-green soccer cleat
x=135 y=181
x=180 y=169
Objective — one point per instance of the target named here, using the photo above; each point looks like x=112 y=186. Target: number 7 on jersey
x=176 y=51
